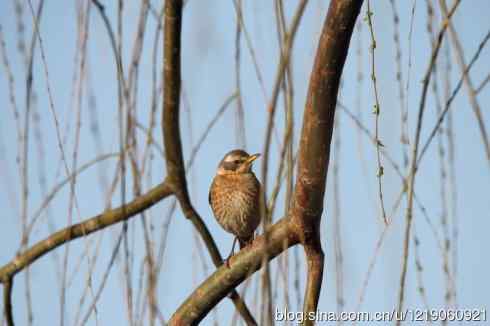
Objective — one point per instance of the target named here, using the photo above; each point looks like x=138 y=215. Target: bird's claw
x=227 y=263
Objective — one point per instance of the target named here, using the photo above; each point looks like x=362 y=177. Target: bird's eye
x=236 y=161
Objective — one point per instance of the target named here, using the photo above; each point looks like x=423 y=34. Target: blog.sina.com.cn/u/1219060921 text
x=414 y=315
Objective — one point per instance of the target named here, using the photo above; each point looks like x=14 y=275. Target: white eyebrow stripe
x=232 y=158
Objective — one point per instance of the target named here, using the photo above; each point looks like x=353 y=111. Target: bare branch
x=475 y=105
x=242 y=265
x=281 y=71
x=376 y=112
x=443 y=113
x=482 y=84
x=303 y=221
x=415 y=148
x=7 y=301
x=314 y=154
x=85 y=228
x=172 y=140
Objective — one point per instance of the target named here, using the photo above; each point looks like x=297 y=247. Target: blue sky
x=208 y=79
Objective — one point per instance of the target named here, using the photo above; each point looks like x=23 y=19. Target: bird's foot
x=251 y=240
x=227 y=262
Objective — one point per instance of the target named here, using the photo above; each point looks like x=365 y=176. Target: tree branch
x=317 y=126
x=171 y=99
x=172 y=140
x=303 y=221
x=413 y=160
x=242 y=265
x=84 y=228
x=7 y=301
x=174 y=184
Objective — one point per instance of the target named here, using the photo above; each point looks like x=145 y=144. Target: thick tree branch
x=172 y=140
x=242 y=265
x=303 y=221
x=171 y=96
x=315 y=261
x=315 y=140
x=319 y=114
x=87 y=227
x=7 y=301
x=174 y=184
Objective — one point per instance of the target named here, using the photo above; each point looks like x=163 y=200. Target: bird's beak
x=252 y=158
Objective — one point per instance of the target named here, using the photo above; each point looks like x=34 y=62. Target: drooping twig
x=337 y=229
x=171 y=135
x=475 y=105
x=399 y=79
x=419 y=269
x=394 y=165
x=52 y=193
x=482 y=84
x=241 y=138
x=376 y=112
x=409 y=68
x=449 y=101
x=360 y=107
x=442 y=187
x=36 y=37
x=413 y=162
x=281 y=71
x=450 y=135
x=250 y=47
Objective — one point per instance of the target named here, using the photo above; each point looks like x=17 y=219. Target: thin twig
x=25 y=151
x=240 y=115
x=409 y=69
x=360 y=109
x=307 y=207
x=281 y=70
x=51 y=194
x=377 y=250
x=449 y=101
x=399 y=79
x=250 y=48
x=475 y=105
x=419 y=269
x=442 y=189
x=376 y=112
x=82 y=229
x=482 y=84
x=413 y=163
x=452 y=171
x=337 y=229
x=172 y=139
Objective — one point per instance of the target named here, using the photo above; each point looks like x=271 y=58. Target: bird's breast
x=235 y=202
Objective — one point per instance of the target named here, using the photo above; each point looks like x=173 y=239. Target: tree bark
x=303 y=221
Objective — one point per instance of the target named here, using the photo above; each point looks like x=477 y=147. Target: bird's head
x=236 y=162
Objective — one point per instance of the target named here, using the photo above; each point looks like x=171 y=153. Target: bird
x=234 y=197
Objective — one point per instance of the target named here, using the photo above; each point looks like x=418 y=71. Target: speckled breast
x=234 y=200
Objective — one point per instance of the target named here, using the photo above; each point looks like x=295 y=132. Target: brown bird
x=234 y=196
